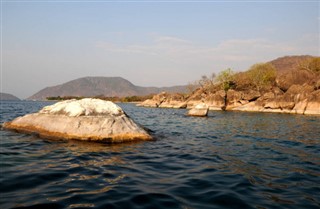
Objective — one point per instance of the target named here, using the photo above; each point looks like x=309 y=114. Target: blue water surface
x=226 y=160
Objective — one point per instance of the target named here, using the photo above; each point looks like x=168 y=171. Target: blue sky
x=150 y=43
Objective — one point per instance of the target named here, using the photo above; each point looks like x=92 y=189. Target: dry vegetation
x=261 y=76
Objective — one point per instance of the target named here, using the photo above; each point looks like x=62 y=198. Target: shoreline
x=303 y=106
x=271 y=111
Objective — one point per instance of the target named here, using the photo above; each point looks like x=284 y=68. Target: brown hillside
x=290 y=72
x=287 y=63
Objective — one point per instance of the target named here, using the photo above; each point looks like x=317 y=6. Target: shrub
x=261 y=75
x=226 y=79
x=312 y=65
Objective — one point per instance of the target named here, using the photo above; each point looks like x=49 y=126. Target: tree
x=203 y=81
x=262 y=75
x=207 y=83
x=192 y=86
x=226 y=79
x=312 y=65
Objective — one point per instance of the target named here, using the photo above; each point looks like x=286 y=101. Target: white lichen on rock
x=83 y=107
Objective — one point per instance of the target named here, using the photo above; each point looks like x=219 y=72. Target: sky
x=150 y=43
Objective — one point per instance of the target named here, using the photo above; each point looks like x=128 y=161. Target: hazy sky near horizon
x=150 y=43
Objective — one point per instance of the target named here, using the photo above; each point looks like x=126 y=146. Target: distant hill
x=101 y=86
x=288 y=63
x=4 y=96
x=291 y=70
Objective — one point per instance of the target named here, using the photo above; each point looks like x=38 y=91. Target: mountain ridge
x=92 y=86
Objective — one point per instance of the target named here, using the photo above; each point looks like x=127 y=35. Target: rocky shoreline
x=293 y=90
x=275 y=101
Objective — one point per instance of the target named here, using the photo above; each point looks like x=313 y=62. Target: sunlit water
x=227 y=160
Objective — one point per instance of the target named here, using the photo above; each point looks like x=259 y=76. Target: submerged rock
x=86 y=119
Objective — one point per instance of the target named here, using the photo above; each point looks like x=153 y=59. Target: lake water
x=227 y=160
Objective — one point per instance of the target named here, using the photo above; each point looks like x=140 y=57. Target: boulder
x=250 y=107
x=148 y=103
x=234 y=96
x=173 y=104
x=251 y=95
x=294 y=77
x=216 y=101
x=313 y=106
x=155 y=101
x=196 y=98
x=234 y=99
x=174 y=101
x=192 y=103
x=200 y=110
x=272 y=104
x=300 y=107
x=239 y=98
x=86 y=119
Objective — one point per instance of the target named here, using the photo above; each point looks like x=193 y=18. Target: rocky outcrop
x=298 y=99
x=312 y=105
x=295 y=77
x=293 y=89
x=86 y=119
x=216 y=101
x=200 y=110
x=165 y=100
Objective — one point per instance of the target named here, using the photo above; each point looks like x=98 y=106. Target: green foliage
x=261 y=75
x=63 y=98
x=54 y=98
x=135 y=98
x=226 y=79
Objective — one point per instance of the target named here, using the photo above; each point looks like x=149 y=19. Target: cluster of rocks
x=166 y=100
x=298 y=100
x=86 y=119
x=297 y=92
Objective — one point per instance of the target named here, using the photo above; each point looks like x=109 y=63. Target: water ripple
x=227 y=160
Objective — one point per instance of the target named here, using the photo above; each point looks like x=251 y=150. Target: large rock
x=174 y=101
x=313 y=106
x=216 y=101
x=233 y=99
x=155 y=101
x=200 y=110
x=148 y=103
x=251 y=95
x=294 y=77
x=86 y=119
x=250 y=107
x=196 y=98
